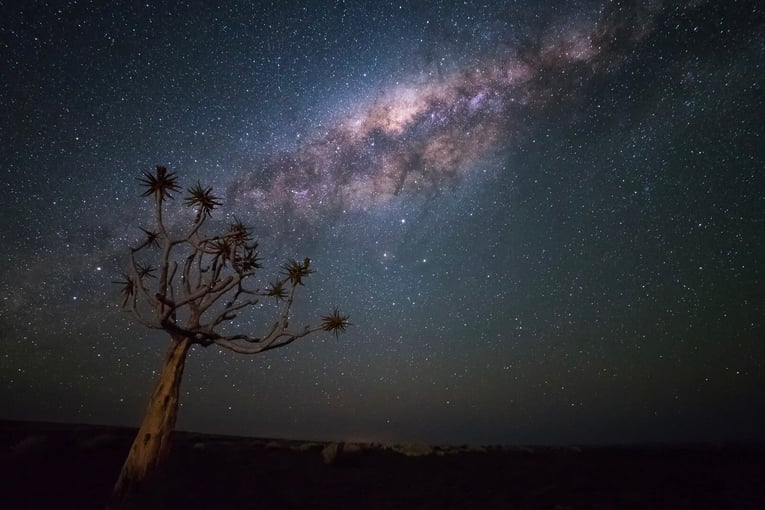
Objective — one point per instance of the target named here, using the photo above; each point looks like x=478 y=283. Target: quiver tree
x=193 y=286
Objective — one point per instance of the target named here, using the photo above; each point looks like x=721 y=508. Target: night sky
x=545 y=219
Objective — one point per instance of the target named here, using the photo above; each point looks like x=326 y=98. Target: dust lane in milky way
x=420 y=138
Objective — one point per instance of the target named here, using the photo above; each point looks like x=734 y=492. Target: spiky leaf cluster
x=236 y=248
x=335 y=322
x=128 y=288
x=277 y=290
x=239 y=232
x=202 y=199
x=160 y=184
x=295 y=271
x=145 y=271
x=152 y=238
x=246 y=258
x=130 y=283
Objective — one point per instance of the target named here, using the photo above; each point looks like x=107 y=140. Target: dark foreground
x=74 y=466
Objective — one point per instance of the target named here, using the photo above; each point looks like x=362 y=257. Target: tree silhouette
x=194 y=289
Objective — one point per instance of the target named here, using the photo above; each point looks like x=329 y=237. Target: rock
x=518 y=449
x=341 y=454
x=351 y=448
x=330 y=453
x=413 y=449
x=304 y=447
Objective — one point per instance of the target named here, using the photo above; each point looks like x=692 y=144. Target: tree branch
x=212 y=273
x=243 y=344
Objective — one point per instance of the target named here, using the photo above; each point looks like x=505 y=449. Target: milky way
x=420 y=138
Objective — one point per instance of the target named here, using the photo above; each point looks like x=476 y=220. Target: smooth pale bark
x=151 y=445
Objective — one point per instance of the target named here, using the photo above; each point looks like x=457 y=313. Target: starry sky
x=545 y=219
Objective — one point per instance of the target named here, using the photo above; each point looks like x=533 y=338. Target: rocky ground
x=74 y=466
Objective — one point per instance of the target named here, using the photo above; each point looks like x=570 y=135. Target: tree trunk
x=152 y=443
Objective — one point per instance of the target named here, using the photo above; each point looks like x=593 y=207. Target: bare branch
x=226 y=313
x=243 y=344
x=136 y=275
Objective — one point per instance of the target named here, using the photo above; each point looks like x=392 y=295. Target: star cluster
x=545 y=221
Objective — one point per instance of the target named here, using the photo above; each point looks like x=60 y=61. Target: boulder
x=413 y=449
x=330 y=453
x=341 y=454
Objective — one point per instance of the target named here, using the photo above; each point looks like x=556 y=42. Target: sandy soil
x=74 y=466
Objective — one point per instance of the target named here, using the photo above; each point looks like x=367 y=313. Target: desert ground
x=49 y=466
